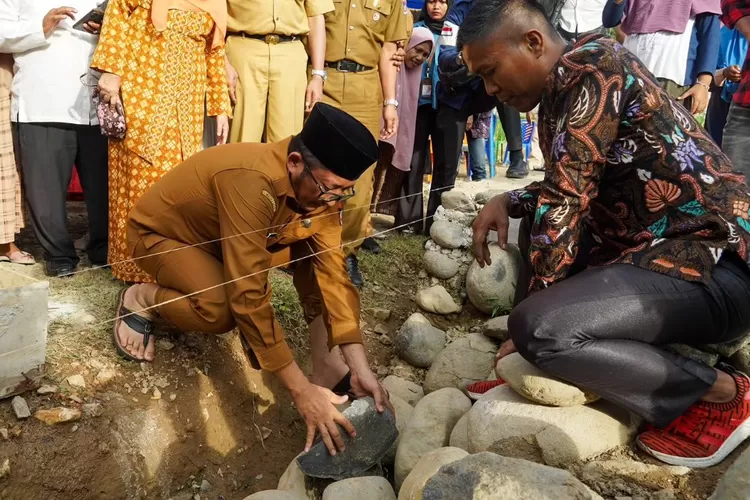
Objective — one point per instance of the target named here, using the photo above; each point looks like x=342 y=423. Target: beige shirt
x=279 y=17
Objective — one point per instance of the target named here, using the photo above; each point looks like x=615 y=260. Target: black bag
x=552 y=8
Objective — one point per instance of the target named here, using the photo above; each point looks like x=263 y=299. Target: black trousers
x=603 y=329
x=510 y=119
x=47 y=152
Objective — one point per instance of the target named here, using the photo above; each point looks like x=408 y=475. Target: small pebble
x=5 y=468
x=75 y=399
x=75 y=428
x=144 y=390
x=157 y=394
x=4 y=433
x=385 y=340
x=172 y=397
x=165 y=345
x=381 y=329
x=259 y=477
x=46 y=389
x=205 y=486
x=76 y=381
x=20 y=408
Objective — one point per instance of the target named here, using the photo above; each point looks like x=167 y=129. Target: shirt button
x=351 y=28
x=354 y=6
x=306 y=222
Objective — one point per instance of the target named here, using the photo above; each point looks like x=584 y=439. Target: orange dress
x=169 y=79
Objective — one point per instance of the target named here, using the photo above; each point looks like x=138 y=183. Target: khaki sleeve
x=396 y=31
x=244 y=217
x=318 y=7
x=340 y=297
x=111 y=50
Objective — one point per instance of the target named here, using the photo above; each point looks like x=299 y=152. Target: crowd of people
x=637 y=237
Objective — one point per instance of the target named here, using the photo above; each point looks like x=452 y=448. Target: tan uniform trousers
x=209 y=311
x=360 y=95
x=271 y=90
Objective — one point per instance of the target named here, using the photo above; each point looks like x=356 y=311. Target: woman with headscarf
x=411 y=206
x=396 y=152
x=163 y=65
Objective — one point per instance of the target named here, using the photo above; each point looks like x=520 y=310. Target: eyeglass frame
x=325 y=190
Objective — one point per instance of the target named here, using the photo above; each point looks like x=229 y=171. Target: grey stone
x=403 y=413
x=427 y=467
x=46 y=389
x=436 y=299
x=468 y=359
x=273 y=495
x=93 y=410
x=535 y=385
x=418 y=342
x=20 y=408
x=690 y=352
x=439 y=265
x=429 y=428
x=496 y=328
x=741 y=359
x=294 y=481
x=493 y=288
x=456 y=200
x=360 y=488
x=506 y=423
x=613 y=477
x=447 y=234
x=404 y=389
x=460 y=434
x=487 y=476
x=76 y=381
x=381 y=314
x=735 y=485
x=205 y=485
x=376 y=432
x=485 y=196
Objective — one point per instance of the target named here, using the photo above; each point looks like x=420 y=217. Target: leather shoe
x=518 y=168
x=352 y=266
x=371 y=245
x=58 y=269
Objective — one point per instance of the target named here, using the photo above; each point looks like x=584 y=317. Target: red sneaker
x=706 y=433
x=478 y=389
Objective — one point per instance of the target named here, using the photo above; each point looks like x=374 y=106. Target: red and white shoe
x=478 y=389
x=706 y=433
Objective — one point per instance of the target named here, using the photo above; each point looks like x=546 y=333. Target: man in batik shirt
x=636 y=238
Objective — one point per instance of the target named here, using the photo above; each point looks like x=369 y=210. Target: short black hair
x=297 y=146
x=486 y=17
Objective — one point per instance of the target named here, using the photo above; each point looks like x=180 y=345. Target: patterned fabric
x=633 y=167
x=11 y=216
x=733 y=11
x=480 y=129
x=167 y=79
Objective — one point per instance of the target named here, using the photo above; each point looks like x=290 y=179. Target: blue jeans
x=736 y=140
x=477 y=159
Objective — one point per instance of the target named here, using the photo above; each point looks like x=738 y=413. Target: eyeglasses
x=325 y=193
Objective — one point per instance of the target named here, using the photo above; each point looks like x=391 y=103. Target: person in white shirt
x=580 y=18
x=55 y=124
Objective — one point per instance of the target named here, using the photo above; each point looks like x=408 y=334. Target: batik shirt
x=631 y=166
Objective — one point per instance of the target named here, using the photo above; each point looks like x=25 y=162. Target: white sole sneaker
x=735 y=439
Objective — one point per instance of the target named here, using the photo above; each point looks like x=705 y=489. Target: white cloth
x=580 y=16
x=46 y=83
x=664 y=53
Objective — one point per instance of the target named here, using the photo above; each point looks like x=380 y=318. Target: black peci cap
x=341 y=143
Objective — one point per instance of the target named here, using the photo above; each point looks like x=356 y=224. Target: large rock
x=294 y=481
x=493 y=287
x=418 y=342
x=487 y=476
x=735 y=485
x=460 y=434
x=535 y=385
x=376 y=432
x=485 y=196
x=456 y=200
x=360 y=488
x=437 y=300
x=274 y=495
x=427 y=467
x=404 y=389
x=468 y=359
x=429 y=428
x=440 y=265
x=447 y=234
x=504 y=422
x=615 y=478
x=496 y=328
x=741 y=359
x=403 y=413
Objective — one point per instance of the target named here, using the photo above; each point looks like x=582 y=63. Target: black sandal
x=137 y=323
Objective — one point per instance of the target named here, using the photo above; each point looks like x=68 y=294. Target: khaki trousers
x=271 y=90
x=360 y=95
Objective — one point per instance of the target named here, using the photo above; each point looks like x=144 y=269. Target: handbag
x=111 y=122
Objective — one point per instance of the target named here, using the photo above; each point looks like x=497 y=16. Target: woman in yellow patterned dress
x=163 y=63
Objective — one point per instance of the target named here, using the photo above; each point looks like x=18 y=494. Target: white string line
x=7 y=268
x=213 y=287
x=93 y=268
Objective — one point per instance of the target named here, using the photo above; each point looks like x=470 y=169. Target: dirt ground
x=199 y=413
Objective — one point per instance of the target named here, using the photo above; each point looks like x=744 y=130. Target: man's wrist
x=293 y=379
x=355 y=357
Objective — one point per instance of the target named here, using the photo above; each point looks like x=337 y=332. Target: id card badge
x=426 y=88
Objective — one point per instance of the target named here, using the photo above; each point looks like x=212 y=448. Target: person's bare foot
x=130 y=340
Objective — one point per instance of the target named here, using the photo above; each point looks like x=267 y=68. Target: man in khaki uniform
x=361 y=40
x=265 y=52
x=210 y=230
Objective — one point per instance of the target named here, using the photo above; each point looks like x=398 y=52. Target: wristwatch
x=460 y=59
x=390 y=102
x=321 y=73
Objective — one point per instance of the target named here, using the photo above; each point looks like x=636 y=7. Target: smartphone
x=96 y=15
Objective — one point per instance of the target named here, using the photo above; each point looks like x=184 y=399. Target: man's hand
x=315 y=405
x=222 y=129
x=399 y=57
x=366 y=384
x=390 y=122
x=732 y=73
x=494 y=215
x=232 y=79
x=314 y=92
x=699 y=93
x=55 y=17
x=507 y=347
x=92 y=27
x=109 y=88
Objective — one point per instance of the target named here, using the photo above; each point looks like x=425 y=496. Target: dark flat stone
x=376 y=432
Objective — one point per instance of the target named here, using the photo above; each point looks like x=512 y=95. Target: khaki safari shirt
x=241 y=194
x=357 y=29
x=278 y=17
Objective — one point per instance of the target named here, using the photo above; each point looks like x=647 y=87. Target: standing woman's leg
x=410 y=206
